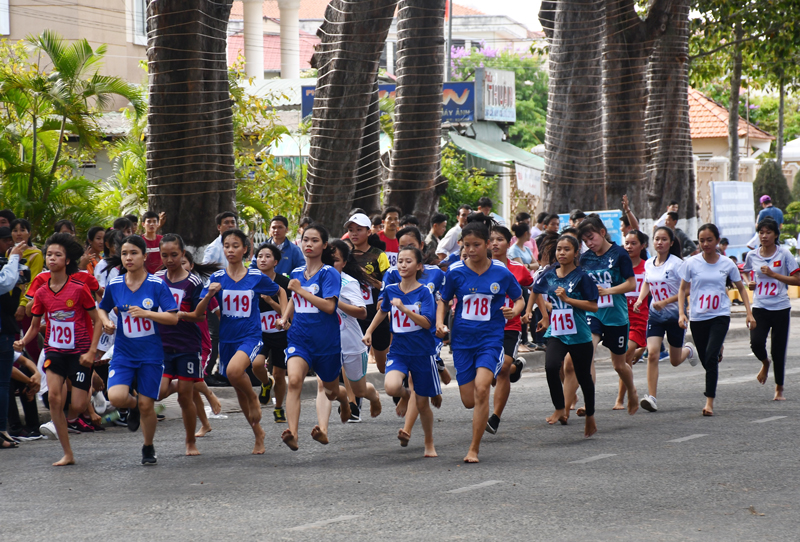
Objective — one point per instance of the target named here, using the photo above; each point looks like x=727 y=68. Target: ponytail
x=479 y=225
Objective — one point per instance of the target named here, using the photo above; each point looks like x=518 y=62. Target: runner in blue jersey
x=237 y=290
x=571 y=293
x=314 y=338
x=411 y=307
x=480 y=286
x=142 y=301
x=610 y=266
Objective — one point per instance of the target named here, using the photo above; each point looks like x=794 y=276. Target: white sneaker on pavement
x=49 y=430
x=649 y=403
x=692 y=359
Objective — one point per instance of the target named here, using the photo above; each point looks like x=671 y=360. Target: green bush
x=796 y=187
x=463 y=185
x=770 y=180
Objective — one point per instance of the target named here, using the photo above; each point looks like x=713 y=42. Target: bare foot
x=707 y=412
x=319 y=435
x=472 y=457
x=590 y=428
x=445 y=376
x=581 y=412
x=191 y=449
x=258 y=448
x=779 y=394
x=763 y=374
x=574 y=404
x=402 y=407
x=289 y=439
x=344 y=413
x=558 y=416
x=213 y=401
x=403 y=437
x=66 y=460
x=436 y=401
x=375 y=408
x=633 y=402
x=203 y=431
x=430 y=451
x=618 y=405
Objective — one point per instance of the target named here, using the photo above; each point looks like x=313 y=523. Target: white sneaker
x=99 y=403
x=649 y=403
x=692 y=359
x=49 y=430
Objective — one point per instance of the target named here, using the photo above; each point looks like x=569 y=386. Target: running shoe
x=519 y=363
x=355 y=413
x=122 y=421
x=493 y=424
x=280 y=415
x=149 y=456
x=80 y=425
x=99 y=403
x=692 y=359
x=160 y=417
x=540 y=348
x=663 y=355
x=216 y=381
x=23 y=435
x=49 y=430
x=440 y=364
x=649 y=403
x=266 y=389
x=134 y=418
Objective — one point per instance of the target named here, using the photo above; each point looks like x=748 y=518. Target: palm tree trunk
x=33 y=161
x=733 y=110
x=190 y=167
x=368 y=173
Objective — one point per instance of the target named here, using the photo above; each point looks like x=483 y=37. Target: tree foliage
x=770 y=180
x=464 y=185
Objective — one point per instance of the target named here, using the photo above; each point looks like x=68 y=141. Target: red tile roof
x=272 y=50
x=709 y=119
x=315 y=9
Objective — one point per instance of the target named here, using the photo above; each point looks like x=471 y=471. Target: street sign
x=612 y=220
x=732 y=208
x=495 y=95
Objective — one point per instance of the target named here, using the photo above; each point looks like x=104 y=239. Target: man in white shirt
x=485 y=206
x=671 y=208
x=449 y=242
x=214 y=252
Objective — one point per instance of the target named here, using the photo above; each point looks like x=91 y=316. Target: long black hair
x=479 y=225
x=675 y=244
x=644 y=240
x=327 y=253
x=202 y=270
x=72 y=248
x=710 y=227
x=351 y=267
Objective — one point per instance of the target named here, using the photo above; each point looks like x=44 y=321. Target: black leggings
x=778 y=321
x=581 y=360
x=708 y=336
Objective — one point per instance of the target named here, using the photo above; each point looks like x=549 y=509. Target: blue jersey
x=611 y=269
x=479 y=315
x=138 y=339
x=408 y=338
x=240 y=318
x=567 y=323
x=432 y=277
x=316 y=330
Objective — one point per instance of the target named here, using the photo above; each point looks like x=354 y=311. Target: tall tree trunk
x=368 y=173
x=670 y=168
x=574 y=138
x=629 y=41
x=418 y=108
x=733 y=110
x=353 y=36
x=32 y=177
x=190 y=168
x=781 y=110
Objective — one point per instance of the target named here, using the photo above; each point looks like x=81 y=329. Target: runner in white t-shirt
x=775 y=269
x=705 y=276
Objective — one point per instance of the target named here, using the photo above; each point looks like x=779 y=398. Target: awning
x=292 y=145
x=497 y=152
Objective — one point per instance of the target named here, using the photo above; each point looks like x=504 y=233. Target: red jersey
x=153 y=260
x=525 y=279
x=392 y=248
x=67 y=314
x=44 y=277
x=631 y=297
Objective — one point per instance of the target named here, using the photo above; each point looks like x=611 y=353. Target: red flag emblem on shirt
x=776 y=263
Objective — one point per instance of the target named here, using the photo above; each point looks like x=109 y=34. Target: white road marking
x=322 y=523
x=690 y=437
x=476 y=486
x=772 y=419
x=593 y=458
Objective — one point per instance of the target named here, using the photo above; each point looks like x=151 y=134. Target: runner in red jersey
x=499 y=242
x=70 y=344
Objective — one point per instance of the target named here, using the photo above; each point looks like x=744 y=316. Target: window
x=139 y=22
x=5 y=25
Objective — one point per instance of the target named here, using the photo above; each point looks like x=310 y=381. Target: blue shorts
x=423 y=369
x=615 y=338
x=327 y=366
x=146 y=374
x=675 y=333
x=183 y=366
x=251 y=347
x=468 y=361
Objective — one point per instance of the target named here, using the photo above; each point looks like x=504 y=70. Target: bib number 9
x=477 y=307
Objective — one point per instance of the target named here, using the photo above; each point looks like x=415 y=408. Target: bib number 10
x=477 y=307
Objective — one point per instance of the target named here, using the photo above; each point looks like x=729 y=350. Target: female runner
x=662 y=279
x=71 y=337
x=142 y=301
x=314 y=338
x=500 y=240
x=775 y=268
x=571 y=293
x=480 y=285
x=267 y=256
x=237 y=289
x=412 y=309
x=704 y=278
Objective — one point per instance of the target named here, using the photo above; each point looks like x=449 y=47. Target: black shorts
x=615 y=338
x=274 y=349
x=675 y=333
x=511 y=342
x=69 y=366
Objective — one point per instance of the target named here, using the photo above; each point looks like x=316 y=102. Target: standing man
x=449 y=243
x=291 y=255
x=688 y=247
x=438 y=229
x=767 y=210
x=214 y=253
x=672 y=207
x=539 y=227
x=485 y=206
x=152 y=222
x=576 y=216
x=391 y=219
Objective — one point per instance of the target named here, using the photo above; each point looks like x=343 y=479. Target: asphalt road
x=670 y=475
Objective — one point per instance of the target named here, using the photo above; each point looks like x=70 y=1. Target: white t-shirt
x=104 y=275
x=709 y=296
x=348 y=326
x=662 y=221
x=449 y=242
x=664 y=281
x=770 y=293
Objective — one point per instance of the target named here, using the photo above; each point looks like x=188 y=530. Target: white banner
x=528 y=179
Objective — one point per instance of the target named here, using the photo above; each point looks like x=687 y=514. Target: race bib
x=301 y=304
x=392 y=258
x=659 y=291
x=401 y=323
x=562 y=322
x=767 y=287
x=177 y=295
x=508 y=303
x=62 y=335
x=605 y=301
x=708 y=302
x=638 y=290
x=477 y=307
x=366 y=294
x=135 y=328
x=237 y=303
x=268 y=320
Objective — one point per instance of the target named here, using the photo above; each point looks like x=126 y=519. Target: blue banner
x=611 y=219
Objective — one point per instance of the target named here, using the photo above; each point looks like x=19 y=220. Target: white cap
x=359 y=219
